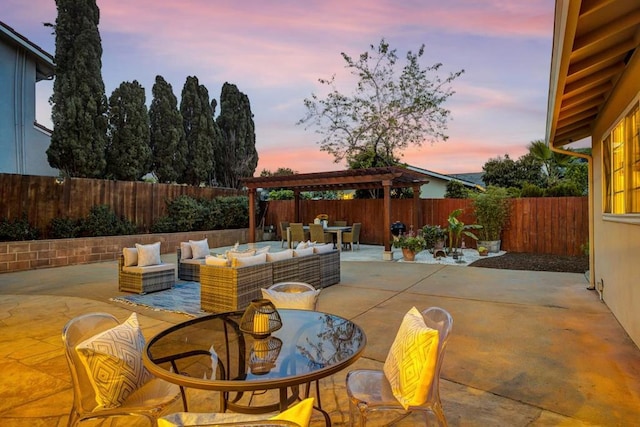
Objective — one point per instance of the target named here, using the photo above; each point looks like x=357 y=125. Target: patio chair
x=371 y=390
x=351 y=237
x=297 y=233
x=340 y=223
x=283 y=232
x=318 y=235
x=146 y=401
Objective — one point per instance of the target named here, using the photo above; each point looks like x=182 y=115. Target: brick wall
x=32 y=254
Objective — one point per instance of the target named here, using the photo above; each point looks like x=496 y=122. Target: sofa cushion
x=263 y=250
x=199 y=248
x=322 y=249
x=249 y=260
x=299 y=300
x=303 y=252
x=130 y=256
x=148 y=254
x=149 y=269
x=279 y=256
x=239 y=254
x=214 y=260
x=185 y=250
x=193 y=261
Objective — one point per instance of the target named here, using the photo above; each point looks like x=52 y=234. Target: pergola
x=384 y=178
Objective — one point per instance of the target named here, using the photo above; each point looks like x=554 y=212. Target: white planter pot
x=492 y=245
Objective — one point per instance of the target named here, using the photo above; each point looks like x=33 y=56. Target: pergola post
x=296 y=205
x=252 y=215
x=417 y=214
x=388 y=254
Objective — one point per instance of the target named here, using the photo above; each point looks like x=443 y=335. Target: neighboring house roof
x=592 y=44
x=475 y=177
x=459 y=177
x=45 y=66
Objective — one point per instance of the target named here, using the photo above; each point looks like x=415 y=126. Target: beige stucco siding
x=617 y=244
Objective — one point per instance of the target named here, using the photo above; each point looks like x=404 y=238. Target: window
x=621 y=165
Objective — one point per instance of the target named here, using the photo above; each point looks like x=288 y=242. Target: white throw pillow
x=322 y=249
x=113 y=360
x=263 y=250
x=214 y=260
x=249 y=260
x=300 y=300
x=185 y=250
x=199 y=248
x=302 y=245
x=412 y=359
x=148 y=254
x=303 y=252
x=130 y=256
x=279 y=256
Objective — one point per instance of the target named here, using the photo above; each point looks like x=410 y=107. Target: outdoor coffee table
x=212 y=353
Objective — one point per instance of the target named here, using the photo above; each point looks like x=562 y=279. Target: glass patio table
x=212 y=353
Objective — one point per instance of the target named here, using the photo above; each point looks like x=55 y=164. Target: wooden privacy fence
x=42 y=198
x=549 y=225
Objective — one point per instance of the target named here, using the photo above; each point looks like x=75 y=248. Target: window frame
x=630 y=147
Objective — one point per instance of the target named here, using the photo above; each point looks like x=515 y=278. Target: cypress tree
x=236 y=157
x=128 y=152
x=79 y=103
x=197 y=119
x=167 y=134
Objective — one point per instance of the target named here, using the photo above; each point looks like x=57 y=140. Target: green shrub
x=234 y=212
x=102 y=221
x=563 y=189
x=64 y=228
x=17 y=229
x=531 y=190
x=281 y=195
x=456 y=190
x=186 y=213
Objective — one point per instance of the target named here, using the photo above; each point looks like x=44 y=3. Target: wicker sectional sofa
x=233 y=288
x=142 y=280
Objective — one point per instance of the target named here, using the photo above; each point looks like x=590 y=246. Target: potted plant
x=491 y=210
x=435 y=237
x=483 y=251
x=456 y=229
x=411 y=243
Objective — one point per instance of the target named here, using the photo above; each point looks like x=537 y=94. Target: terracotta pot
x=408 y=254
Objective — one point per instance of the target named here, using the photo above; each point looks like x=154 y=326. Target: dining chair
x=370 y=390
x=283 y=232
x=353 y=236
x=147 y=401
x=297 y=232
x=340 y=223
x=318 y=234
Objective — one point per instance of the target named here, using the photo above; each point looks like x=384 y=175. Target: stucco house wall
x=23 y=143
x=617 y=245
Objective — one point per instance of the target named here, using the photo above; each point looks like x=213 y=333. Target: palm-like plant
x=457 y=228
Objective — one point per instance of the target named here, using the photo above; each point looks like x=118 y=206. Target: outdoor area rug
x=183 y=298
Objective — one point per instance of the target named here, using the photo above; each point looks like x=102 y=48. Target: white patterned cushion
x=148 y=254
x=185 y=250
x=214 y=260
x=303 y=252
x=199 y=248
x=130 y=256
x=246 y=261
x=239 y=254
x=302 y=245
x=411 y=360
x=263 y=250
x=300 y=300
x=279 y=256
x=113 y=360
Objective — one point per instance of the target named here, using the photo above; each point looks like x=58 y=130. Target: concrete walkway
x=528 y=348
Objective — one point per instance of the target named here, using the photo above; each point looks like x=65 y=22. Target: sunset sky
x=275 y=51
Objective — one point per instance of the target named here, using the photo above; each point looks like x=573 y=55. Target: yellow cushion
x=113 y=361
x=411 y=360
x=214 y=260
x=299 y=414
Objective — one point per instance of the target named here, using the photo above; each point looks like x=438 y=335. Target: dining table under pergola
x=385 y=178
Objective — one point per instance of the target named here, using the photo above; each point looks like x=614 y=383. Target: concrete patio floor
x=527 y=348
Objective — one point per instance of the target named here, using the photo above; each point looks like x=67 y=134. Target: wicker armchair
x=142 y=280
